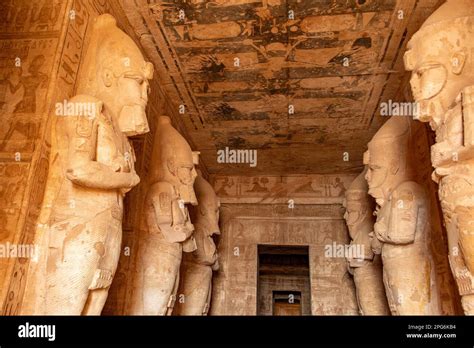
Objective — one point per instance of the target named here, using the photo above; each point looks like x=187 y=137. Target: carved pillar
x=198 y=266
x=440 y=56
x=403 y=222
x=166 y=229
x=91 y=169
x=365 y=266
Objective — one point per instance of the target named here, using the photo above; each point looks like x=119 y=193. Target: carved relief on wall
x=25 y=67
x=12 y=186
x=29 y=42
x=23 y=16
x=244 y=226
x=278 y=189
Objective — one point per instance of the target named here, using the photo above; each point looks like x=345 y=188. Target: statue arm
x=468 y=122
x=404 y=215
x=82 y=168
x=459 y=142
x=160 y=199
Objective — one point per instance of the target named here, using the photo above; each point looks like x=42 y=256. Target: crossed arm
x=82 y=167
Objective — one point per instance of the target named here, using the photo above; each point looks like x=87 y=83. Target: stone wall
x=35 y=36
x=292 y=211
x=42 y=44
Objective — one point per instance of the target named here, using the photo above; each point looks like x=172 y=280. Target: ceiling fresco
x=299 y=81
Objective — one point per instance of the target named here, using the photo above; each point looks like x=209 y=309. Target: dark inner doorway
x=283 y=286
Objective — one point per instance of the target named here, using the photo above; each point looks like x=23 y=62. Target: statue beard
x=378 y=194
x=186 y=193
x=431 y=111
x=132 y=120
x=380 y=202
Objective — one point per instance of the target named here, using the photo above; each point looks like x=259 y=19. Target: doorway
x=283 y=286
x=286 y=303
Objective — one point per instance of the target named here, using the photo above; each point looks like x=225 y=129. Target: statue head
x=205 y=218
x=115 y=72
x=388 y=158
x=173 y=160
x=359 y=205
x=440 y=56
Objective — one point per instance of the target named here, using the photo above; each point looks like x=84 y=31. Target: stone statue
x=91 y=169
x=365 y=266
x=440 y=56
x=403 y=222
x=197 y=267
x=167 y=230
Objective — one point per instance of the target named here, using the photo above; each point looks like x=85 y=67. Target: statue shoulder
x=409 y=190
x=85 y=98
x=163 y=190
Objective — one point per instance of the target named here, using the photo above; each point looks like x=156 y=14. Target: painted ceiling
x=299 y=81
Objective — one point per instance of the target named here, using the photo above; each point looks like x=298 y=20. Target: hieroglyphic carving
x=24 y=69
x=278 y=189
x=29 y=43
x=18 y=278
x=12 y=185
x=440 y=56
x=403 y=222
x=43 y=16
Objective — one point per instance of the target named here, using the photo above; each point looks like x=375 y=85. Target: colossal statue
x=166 y=229
x=197 y=267
x=91 y=169
x=367 y=267
x=403 y=222
x=440 y=56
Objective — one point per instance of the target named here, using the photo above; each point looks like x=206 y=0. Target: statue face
x=211 y=213
x=133 y=89
x=186 y=174
x=439 y=58
x=117 y=74
x=376 y=176
x=207 y=212
x=206 y=220
x=127 y=95
x=388 y=159
x=353 y=215
x=206 y=248
x=174 y=161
